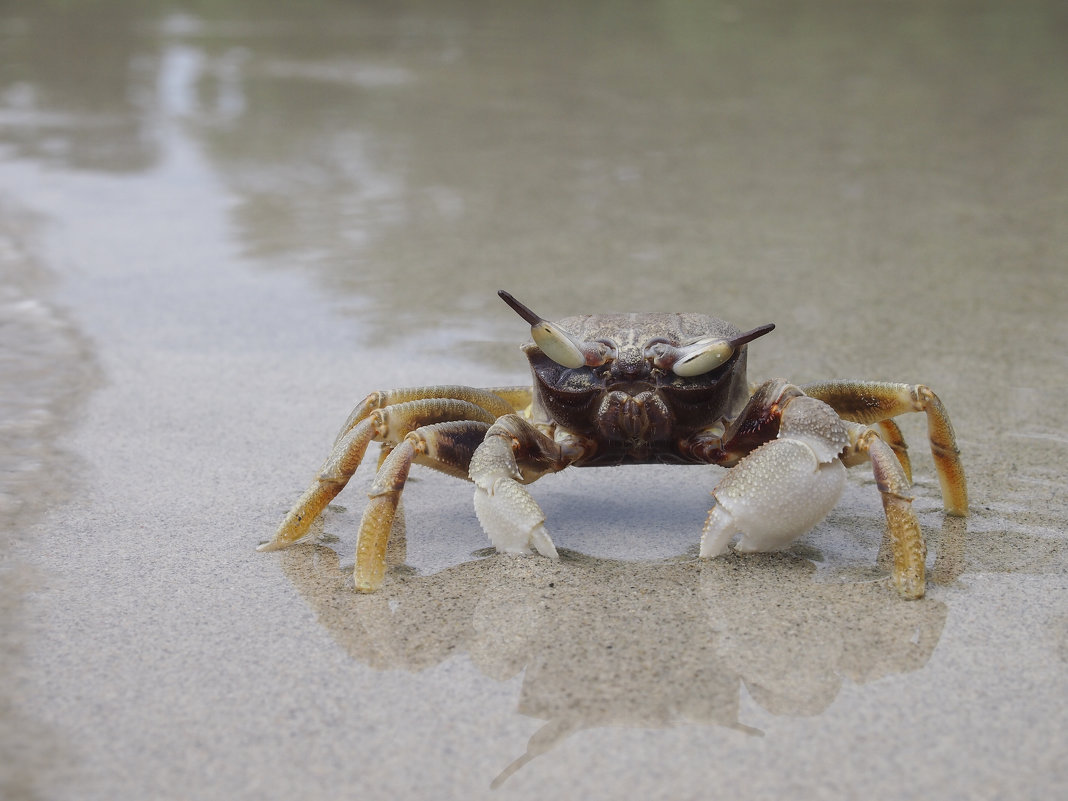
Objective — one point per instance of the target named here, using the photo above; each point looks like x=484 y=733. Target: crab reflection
x=603 y=642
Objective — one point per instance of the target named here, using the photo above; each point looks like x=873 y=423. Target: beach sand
x=220 y=231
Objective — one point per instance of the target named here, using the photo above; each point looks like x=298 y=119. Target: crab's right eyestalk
x=704 y=355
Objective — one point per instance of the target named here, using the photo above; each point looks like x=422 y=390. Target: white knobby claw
x=512 y=519
x=509 y=515
x=783 y=488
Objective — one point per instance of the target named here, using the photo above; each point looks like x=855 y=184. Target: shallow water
x=223 y=224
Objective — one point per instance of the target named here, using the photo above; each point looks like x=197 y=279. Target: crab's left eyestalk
x=554 y=341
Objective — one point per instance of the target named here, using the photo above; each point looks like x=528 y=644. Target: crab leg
x=873 y=402
x=445 y=446
x=389 y=425
x=519 y=398
x=489 y=399
x=513 y=453
x=892 y=436
x=906 y=538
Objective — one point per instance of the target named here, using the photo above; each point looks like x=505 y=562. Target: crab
x=616 y=389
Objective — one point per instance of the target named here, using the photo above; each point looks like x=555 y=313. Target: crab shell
x=635 y=411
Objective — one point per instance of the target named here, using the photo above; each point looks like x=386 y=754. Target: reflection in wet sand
x=603 y=642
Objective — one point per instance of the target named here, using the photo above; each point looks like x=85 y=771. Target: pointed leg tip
x=368 y=584
x=910 y=590
x=368 y=579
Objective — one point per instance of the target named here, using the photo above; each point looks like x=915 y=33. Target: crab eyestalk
x=701 y=357
x=555 y=342
x=707 y=354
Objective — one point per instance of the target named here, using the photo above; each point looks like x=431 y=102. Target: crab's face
x=637 y=383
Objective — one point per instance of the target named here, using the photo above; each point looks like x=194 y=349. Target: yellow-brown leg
x=331 y=479
x=519 y=398
x=872 y=402
x=389 y=424
x=515 y=399
x=489 y=399
x=907 y=543
x=892 y=436
x=445 y=446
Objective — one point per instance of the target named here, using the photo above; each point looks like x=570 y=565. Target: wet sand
x=232 y=227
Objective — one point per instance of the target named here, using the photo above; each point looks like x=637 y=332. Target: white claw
x=512 y=519
x=783 y=488
x=543 y=543
x=719 y=531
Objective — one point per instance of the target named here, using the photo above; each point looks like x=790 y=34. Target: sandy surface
x=218 y=232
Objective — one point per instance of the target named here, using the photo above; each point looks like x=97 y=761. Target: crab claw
x=782 y=489
x=509 y=515
x=512 y=519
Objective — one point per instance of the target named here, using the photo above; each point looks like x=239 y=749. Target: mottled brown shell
x=634 y=410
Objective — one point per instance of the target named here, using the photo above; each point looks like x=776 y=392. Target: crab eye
x=707 y=354
x=701 y=357
x=557 y=344
x=662 y=353
x=600 y=352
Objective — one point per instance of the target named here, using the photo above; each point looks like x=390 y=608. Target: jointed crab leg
x=489 y=399
x=518 y=397
x=875 y=401
x=330 y=480
x=906 y=538
x=892 y=436
x=445 y=446
x=389 y=424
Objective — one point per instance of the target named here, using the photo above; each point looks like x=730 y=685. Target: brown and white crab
x=614 y=389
